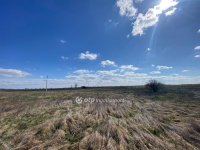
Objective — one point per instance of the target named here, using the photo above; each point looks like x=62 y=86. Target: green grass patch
x=25 y=121
x=156 y=131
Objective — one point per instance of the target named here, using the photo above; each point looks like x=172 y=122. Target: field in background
x=37 y=120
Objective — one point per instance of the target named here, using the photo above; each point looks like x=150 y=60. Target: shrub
x=153 y=86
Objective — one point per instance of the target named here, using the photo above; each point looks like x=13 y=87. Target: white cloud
x=185 y=71
x=63 y=41
x=109 y=20
x=198 y=31
x=197 y=56
x=175 y=74
x=116 y=24
x=118 y=78
x=111 y=23
x=107 y=78
x=107 y=72
x=197 y=48
x=13 y=73
x=166 y=4
x=150 y=18
x=152 y=65
x=145 y=21
x=163 y=67
x=98 y=78
x=88 y=55
x=126 y=8
x=108 y=63
x=64 y=58
x=81 y=71
x=133 y=75
x=148 y=49
x=139 y=1
x=170 y=12
x=128 y=36
x=128 y=68
x=155 y=72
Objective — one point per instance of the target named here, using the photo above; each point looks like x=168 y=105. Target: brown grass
x=54 y=121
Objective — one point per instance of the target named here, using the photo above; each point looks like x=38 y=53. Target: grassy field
x=168 y=120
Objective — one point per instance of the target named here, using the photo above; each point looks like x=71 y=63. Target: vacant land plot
x=132 y=118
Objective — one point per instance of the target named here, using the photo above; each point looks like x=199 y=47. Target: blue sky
x=98 y=42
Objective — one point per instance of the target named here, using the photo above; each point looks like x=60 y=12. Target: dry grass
x=53 y=121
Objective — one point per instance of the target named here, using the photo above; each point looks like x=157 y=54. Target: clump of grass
x=156 y=131
x=3 y=146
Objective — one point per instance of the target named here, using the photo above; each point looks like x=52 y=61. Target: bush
x=154 y=86
x=83 y=87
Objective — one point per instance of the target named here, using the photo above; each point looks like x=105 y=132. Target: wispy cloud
x=175 y=74
x=82 y=71
x=98 y=78
x=197 y=48
x=13 y=73
x=111 y=23
x=185 y=71
x=198 y=31
x=170 y=12
x=128 y=68
x=126 y=8
x=139 y=1
x=197 y=56
x=116 y=77
x=108 y=63
x=128 y=36
x=155 y=72
x=163 y=67
x=107 y=73
x=148 y=49
x=109 y=78
x=64 y=58
x=63 y=41
x=88 y=55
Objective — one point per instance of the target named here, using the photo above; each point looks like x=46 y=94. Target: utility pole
x=46 y=83
x=76 y=85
